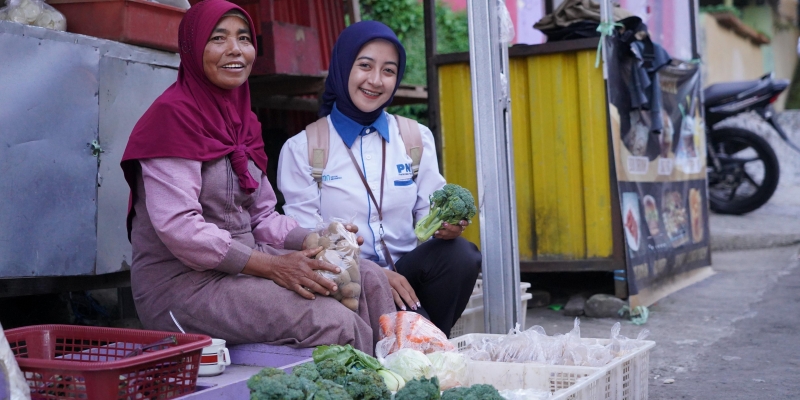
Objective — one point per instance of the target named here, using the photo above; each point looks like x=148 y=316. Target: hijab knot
x=239 y=163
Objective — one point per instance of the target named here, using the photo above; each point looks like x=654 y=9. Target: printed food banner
x=661 y=173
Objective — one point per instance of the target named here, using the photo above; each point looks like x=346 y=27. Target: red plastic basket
x=83 y=362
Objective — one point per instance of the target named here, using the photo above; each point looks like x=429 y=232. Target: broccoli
x=307 y=370
x=269 y=371
x=329 y=379
x=279 y=387
x=419 y=389
x=329 y=390
x=474 y=392
x=366 y=384
x=332 y=370
x=450 y=204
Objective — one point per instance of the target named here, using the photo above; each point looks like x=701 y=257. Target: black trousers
x=443 y=274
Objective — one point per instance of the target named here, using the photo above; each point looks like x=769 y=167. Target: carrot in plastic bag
x=409 y=330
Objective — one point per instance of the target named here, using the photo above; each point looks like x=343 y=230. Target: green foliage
x=402 y=16
x=417 y=112
x=452 y=30
x=406 y=18
x=720 y=8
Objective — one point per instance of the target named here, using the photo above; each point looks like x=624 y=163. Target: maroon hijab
x=195 y=119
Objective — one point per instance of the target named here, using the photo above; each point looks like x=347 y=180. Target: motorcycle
x=743 y=170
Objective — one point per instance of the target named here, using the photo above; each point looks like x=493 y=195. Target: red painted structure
x=295 y=36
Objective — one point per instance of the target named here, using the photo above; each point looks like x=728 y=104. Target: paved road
x=733 y=335
x=759 y=356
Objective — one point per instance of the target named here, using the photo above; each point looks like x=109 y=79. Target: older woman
x=208 y=245
x=369 y=179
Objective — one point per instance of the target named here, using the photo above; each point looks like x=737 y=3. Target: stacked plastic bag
x=535 y=346
x=33 y=12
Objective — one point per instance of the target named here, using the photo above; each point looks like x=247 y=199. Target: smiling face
x=229 y=53
x=373 y=76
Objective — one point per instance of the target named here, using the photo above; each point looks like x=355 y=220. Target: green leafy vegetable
x=347 y=355
x=450 y=204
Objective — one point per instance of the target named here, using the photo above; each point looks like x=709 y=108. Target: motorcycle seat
x=722 y=92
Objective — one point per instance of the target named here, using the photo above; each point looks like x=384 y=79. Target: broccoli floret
x=329 y=390
x=307 y=370
x=366 y=384
x=333 y=370
x=273 y=386
x=450 y=204
x=269 y=371
x=419 y=389
x=474 y=392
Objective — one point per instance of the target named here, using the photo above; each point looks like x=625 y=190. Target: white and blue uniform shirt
x=343 y=195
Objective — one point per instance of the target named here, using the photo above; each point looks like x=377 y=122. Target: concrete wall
x=780 y=55
x=727 y=56
x=784 y=51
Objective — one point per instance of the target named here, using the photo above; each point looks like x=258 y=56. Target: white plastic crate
x=566 y=383
x=471 y=320
x=624 y=378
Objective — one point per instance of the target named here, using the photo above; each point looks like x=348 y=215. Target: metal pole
x=432 y=70
x=495 y=166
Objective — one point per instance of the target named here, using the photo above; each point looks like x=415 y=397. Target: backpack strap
x=318 y=136
x=412 y=138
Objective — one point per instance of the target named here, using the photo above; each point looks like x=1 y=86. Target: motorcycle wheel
x=748 y=175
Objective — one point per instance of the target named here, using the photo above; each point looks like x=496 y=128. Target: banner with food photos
x=660 y=163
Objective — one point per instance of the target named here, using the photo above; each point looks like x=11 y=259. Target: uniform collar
x=349 y=130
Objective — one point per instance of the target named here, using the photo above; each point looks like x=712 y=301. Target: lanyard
x=378 y=204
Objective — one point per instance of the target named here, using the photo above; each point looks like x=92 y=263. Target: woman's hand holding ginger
x=294 y=271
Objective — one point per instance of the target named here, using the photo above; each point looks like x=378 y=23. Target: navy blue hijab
x=345 y=51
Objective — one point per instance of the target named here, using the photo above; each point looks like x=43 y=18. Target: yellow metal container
x=561 y=152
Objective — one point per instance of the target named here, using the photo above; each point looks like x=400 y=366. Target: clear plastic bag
x=340 y=248
x=9 y=370
x=525 y=394
x=450 y=367
x=534 y=346
x=33 y=12
x=409 y=330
